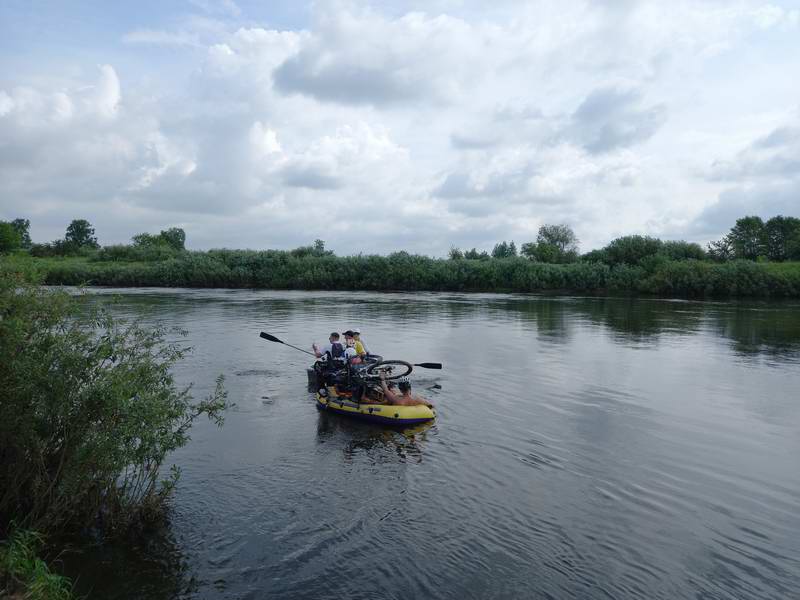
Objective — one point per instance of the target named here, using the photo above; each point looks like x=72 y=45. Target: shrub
x=680 y=250
x=10 y=238
x=141 y=253
x=90 y=411
x=629 y=250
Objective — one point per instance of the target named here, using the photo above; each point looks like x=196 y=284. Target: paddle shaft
x=272 y=338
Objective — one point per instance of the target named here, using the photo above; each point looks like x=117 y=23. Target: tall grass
x=24 y=575
x=657 y=274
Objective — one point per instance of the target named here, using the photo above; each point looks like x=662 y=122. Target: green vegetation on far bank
x=756 y=259
x=657 y=275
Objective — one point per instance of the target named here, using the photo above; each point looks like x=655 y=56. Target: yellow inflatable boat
x=385 y=414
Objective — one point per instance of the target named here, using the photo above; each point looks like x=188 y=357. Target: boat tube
x=385 y=414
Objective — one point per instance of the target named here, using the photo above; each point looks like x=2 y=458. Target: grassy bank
x=400 y=271
x=24 y=575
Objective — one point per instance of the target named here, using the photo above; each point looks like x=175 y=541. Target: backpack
x=337 y=350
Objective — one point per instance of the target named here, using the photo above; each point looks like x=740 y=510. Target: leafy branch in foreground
x=90 y=412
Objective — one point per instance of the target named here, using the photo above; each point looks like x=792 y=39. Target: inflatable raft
x=385 y=414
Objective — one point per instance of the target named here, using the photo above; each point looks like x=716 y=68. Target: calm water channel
x=585 y=448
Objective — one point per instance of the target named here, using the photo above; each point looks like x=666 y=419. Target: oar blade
x=429 y=365
x=269 y=337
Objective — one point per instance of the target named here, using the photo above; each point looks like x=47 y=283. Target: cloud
x=762 y=179
x=775 y=156
x=734 y=203
x=612 y=118
x=465 y=124
x=363 y=58
x=315 y=177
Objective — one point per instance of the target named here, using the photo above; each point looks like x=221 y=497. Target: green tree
x=500 y=250
x=141 y=240
x=175 y=237
x=560 y=236
x=23 y=227
x=793 y=246
x=631 y=249
x=528 y=250
x=680 y=250
x=319 y=248
x=748 y=238
x=554 y=244
x=455 y=253
x=90 y=412
x=549 y=253
x=721 y=250
x=504 y=250
x=779 y=232
x=80 y=234
x=10 y=238
x=598 y=255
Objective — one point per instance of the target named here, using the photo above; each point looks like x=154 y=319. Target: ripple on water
x=584 y=448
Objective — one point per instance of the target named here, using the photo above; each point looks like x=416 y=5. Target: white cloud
x=464 y=125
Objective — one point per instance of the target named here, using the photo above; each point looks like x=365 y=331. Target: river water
x=584 y=448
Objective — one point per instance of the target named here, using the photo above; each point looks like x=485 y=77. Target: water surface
x=585 y=448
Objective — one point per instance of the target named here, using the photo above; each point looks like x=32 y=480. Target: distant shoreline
x=402 y=272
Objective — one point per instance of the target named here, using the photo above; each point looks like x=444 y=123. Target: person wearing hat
x=405 y=397
x=361 y=348
x=350 y=351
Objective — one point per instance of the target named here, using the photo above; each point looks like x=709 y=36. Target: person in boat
x=332 y=350
x=404 y=397
x=350 y=352
x=361 y=347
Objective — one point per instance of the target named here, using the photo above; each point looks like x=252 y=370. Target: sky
x=383 y=126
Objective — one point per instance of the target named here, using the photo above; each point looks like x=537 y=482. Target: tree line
x=629 y=265
x=751 y=238
x=777 y=239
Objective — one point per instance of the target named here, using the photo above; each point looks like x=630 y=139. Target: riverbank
x=405 y=272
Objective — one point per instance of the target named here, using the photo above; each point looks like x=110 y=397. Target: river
x=584 y=448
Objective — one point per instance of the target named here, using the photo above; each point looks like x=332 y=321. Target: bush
x=629 y=250
x=56 y=248
x=90 y=411
x=681 y=250
x=10 y=238
x=142 y=253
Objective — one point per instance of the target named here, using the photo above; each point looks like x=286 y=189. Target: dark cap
x=348 y=333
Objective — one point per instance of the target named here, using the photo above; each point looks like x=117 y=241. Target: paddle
x=272 y=338
x=429 y=365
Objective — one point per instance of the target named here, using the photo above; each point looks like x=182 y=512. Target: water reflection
x=755 y=327
x=355 y=438
x=584 y=448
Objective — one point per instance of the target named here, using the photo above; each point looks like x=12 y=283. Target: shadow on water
x=378 y=443
x=148 y=566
